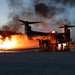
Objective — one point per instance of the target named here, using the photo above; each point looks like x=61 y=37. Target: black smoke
x=66 y=2
x=49 y=12
x=55 y=10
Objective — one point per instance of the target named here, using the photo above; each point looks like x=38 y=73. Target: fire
x=7 y=44
x=53 y=31
x=21 y=41
x=61 y=46
x=17 y=42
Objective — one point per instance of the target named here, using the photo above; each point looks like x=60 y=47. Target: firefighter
x=40 y=43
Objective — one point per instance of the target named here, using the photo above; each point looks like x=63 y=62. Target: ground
x=37 y=63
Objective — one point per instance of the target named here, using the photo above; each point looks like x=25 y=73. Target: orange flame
x=17 y=42
x=7 y=44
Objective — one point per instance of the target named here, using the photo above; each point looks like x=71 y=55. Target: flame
x=64 y=46
x=17 y=42
x=21 y=41
x=53 y=31
x=7 y=44
x=61 y=46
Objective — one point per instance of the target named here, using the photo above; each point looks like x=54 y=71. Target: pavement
x=37 y=63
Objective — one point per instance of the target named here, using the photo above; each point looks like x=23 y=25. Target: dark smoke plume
x=45 y=11
x=42 y=9
x=48 y=11
x=68 y=2
x=52 y=2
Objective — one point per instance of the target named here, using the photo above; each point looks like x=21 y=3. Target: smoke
x=18 y=9
x=55 y=10
x=48 y=12
x=56 y=2
x=15 y=10
x=66 y=2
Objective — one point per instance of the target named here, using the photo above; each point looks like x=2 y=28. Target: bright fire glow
x=53 y=31
x=64 y=45
x=61 y=46
x=7 y=44
x=23 y=42
x=17 y=42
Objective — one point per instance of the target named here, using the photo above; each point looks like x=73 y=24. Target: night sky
x=51 y=14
